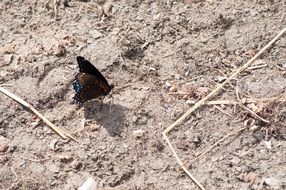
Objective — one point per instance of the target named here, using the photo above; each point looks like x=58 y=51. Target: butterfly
x=89 y=83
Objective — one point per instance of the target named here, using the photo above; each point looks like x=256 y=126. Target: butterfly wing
x=86 y=67
x=89 y=87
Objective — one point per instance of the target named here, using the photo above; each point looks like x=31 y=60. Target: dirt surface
x=158 y=54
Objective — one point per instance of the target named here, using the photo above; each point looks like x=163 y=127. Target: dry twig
x=210 y=95
x=56 y=6
x=215 y=144
x=33 y=160
x=257 y=67
x=27 y=105
x=246 y=108
x=280 y=98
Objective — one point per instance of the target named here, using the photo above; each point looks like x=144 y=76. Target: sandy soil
x=158 y=54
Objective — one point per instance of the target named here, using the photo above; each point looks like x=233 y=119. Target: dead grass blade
x=27 y=105
x=246 y=108
x=218 y=142
x=210 y=95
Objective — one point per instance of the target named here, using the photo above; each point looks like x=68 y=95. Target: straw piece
x=182 y=165
x=216 y=90
x=249 y=110
x=215 y=144
x=27 y=105
x=203 y=100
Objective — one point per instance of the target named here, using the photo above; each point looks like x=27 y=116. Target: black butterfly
x=89 y=83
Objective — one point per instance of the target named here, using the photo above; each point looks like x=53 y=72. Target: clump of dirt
x=275 y=111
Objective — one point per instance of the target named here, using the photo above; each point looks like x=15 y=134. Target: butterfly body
x=89 y=83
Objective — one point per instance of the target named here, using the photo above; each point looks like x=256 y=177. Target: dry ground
x=157 y=54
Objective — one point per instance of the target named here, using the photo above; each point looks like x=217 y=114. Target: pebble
x=65 y=158
x=258 y=135
x=138 y=133
x=267 y=144
x=89 y=184
x=272 y=182
x=8 y=58
x=3 y=144
x=253 y=12
x=95 y=34
x=53 y=144
x=235 y=160
x=3 y=147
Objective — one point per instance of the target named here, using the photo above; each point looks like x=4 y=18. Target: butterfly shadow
x=108 y=115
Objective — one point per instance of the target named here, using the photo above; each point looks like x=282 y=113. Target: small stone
x=273 y=183
x=138 y=133
x=174 y=88
x=197 y=141
x=254 y=128
x=267 y=144
x=167 y=84
x=65 y=158
x=3 y=74
x=8 y=58
x=142 y=120
x=60 y=51
x=77 y=165
x=254 y=108
x=235 y=161
x=3 y=144
x=35 y=123
x=159 y=146
x=221 y=79
x=94 y=128
x=253 y=12
x=12 y=148
x=145 y=88
x=9 y=48
x=53 y=144
x=3 y=147
x=258 y=135
x=177 y=76
x=89 y=184
x=95 y=34
x=152 y=69
x=54 y=169
x=134 y=118
x=251 y=177
x=238 y=168
x=89 y=40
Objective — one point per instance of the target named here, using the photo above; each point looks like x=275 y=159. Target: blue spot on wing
x=77 y=86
